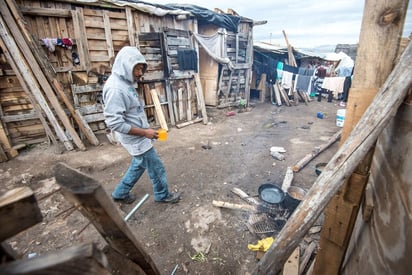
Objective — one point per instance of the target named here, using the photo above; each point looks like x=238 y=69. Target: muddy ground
x=193 y=234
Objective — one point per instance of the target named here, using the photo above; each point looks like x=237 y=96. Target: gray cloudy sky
x=307 y=23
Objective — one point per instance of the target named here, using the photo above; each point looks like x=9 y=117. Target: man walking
x=124 y=113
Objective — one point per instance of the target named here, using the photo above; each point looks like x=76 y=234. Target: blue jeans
x=157 y=174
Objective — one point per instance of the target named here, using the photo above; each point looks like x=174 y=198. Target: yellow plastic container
x=162 y=134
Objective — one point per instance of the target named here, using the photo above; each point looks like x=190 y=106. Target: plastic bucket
x=340 y=117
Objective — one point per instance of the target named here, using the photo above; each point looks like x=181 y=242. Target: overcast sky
x=307 y=23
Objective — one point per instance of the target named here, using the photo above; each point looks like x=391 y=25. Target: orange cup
x=162 y=134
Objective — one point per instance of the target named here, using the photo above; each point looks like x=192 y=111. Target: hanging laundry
x=50 y=43
x=287 y=81
x=303 y=83
x=67 y=42
x=75 y=59
x=334 y=84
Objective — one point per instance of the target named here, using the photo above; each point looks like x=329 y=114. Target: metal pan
x=271 y=193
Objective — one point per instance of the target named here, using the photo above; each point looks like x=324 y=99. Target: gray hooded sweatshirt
x=122 y=106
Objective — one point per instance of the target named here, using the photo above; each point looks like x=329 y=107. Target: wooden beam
x=97 y=206
x=341 y=165
x=381 y=30
x=81 y=259
x=18 y=211
x=61 y=13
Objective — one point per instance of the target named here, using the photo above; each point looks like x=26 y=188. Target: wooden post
x=97 y=206
x=341 y=165
x=382 y=27
x=292 y=61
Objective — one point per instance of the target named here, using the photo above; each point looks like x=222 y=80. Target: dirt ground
x=193 y=234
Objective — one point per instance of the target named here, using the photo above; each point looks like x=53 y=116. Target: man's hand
x=150 y=133
x=147 y=133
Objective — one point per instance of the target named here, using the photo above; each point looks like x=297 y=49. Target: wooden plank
x=189 y=101
x=169 y=102
x=18 y=211
x=242 y=207
x=97 y=206
x=306 y=256
x=158 y=108
x=184 y=124
x=341 y=165
x=131 y=30
x=277 y=95
x=180 y=103
x=200 y=98
x=287 y=180
x=80 y=259
x=80 y=33
x=283 y=94
x=49 y=12
x=291 y=267
x=108 y=34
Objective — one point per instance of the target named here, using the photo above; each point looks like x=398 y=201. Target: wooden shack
x=56 y=55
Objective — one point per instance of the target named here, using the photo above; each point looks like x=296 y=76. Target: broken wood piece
x=96 y=205
x=242 y=207
x=302 y=163
x=291 y=267
x=184 y=124
x=158 y=109
x=242 y=194
x=306 y=256
x=80 y=259
x=287 y=181
x=18 y=211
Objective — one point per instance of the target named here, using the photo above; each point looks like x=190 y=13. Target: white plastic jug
x=340 y=117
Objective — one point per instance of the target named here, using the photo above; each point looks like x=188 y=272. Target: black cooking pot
x=271 y=193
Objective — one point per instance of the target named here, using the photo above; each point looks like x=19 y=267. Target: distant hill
x=349 y=49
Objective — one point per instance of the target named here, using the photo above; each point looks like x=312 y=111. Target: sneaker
x=342 y=104
x=130 y=198
x=171 y=198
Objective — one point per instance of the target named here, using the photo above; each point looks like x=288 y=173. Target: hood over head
x=127 y=58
